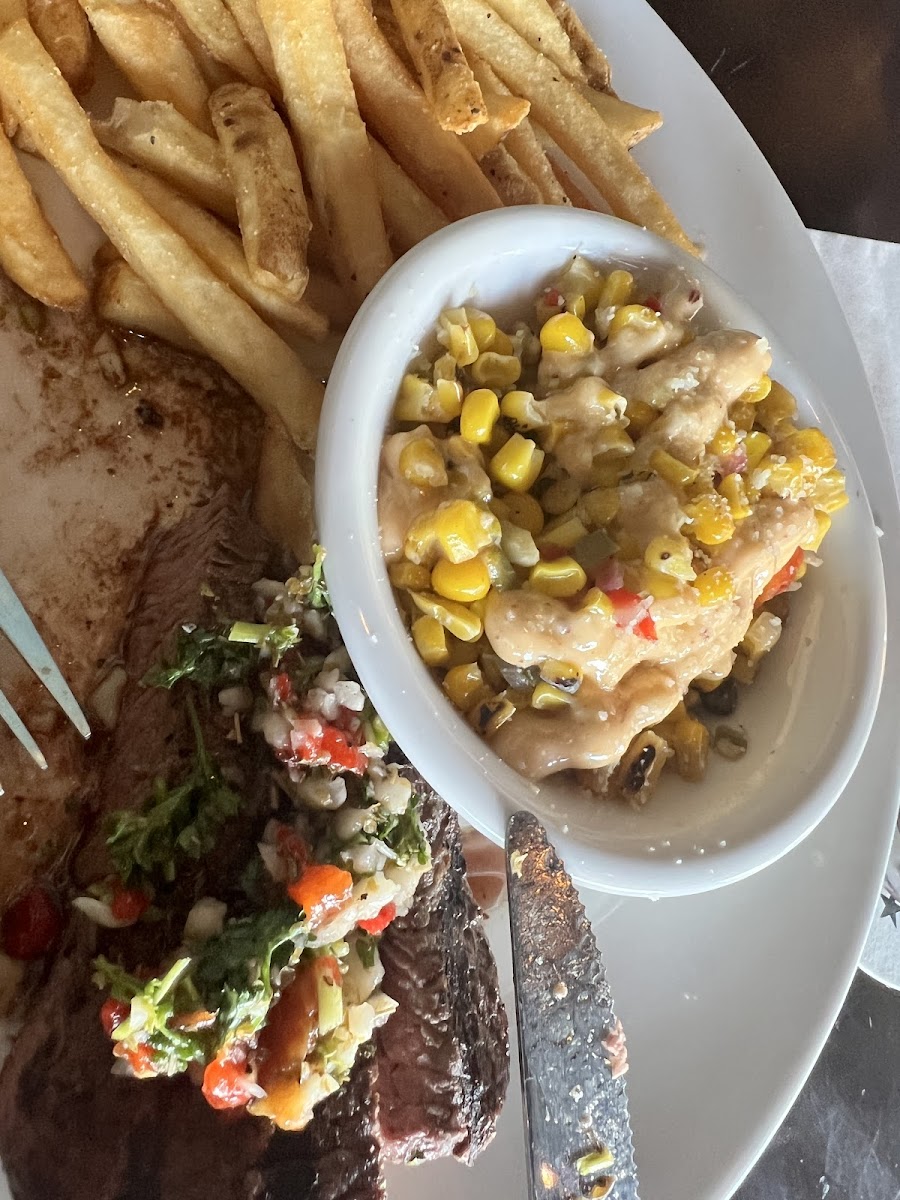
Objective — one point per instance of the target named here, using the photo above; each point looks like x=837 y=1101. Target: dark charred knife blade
x=571 y=1049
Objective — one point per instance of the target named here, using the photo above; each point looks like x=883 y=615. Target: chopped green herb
x=274 y=640
x=184 y=821
x=206 y=658
x=366 y=944
x=376 y=731
x=405 y=835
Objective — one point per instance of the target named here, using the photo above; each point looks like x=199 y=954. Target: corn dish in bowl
x=630 y=535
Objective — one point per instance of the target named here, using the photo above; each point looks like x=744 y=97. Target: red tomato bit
x=782 y=579
x=112 y=1013
x=380 y=922
x=226 y=1077
x=128 y=904
x=321 y=891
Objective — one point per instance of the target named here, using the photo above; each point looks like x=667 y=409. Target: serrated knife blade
x=575 y=1103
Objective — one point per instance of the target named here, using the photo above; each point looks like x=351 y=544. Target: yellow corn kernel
x=640 y=416
x=518 y=545
x=517 y=464
x=598 y=603
x=409 y=576
x=689 y=740
x=598 y=507
x=547 y=698
x=713 y=586
x=614 y=442
x=456 y=529
x=670 y=556
x=560 y=578
x=551 y=434
x=634 y=316
x=566 y=334
x=575 y=303
x=823 y=524
x=566 y=531
x=830 y=494
x=484 y=328
x=490 y=713
x=456 y=334
x=418 y=400
x=422 y=465
x=617 y=289
x=757 y=391
x=724 y=441
x=732 y=488
x=463 y=581
x=465 y=686
x=742 y=415
x=480 y=413
x=560 y=496
x=778 y=406
x=672 y=469
x=455 y=617
x=659 y=586
x=757 y=444
x=607 y=470
x=502 y=343
x=521 y=408
x=500 y=570
x=710 y=519
x=785 y=477
x=811 y=444
x=523 y=510
x=430 y=638
x=559 y=674
x=444 y=368
x=496 y=370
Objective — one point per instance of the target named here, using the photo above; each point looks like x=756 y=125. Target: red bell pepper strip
x=381 y=920
x=782 y=579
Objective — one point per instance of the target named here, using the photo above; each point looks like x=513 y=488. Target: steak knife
x=571 y=1047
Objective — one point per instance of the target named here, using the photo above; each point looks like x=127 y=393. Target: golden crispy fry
x=224 y=325
x=397 y=112
x=268 y=187
x=124 y=299
x=10 y=10
x=66 y=36
x=247 y=18
x=628 y=122
x=387 y=23
x=446 y=77
x=512 y=184
x=144 y=40
x=30 y=252
x=573 y=191
x=408 y=213
x=282 y=499
x=224 y=254
x=154 y=134
x=568 y=118
x=213 y=25
x=535 y=22
x=321 y=103
x=591 y=57
x=505 y=111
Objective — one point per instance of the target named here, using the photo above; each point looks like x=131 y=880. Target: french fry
x=535 y=21
x=267 y=185
x=408 y=213
x=446 y=77
x=30 y=252
x=66 y=36
x=10 y=10
x=572 y=190
x=223 y=253
x=591 y=57
x=213 y=25
x=153 y=134
x=505 y=112
x=522 y=143
x=143 y=39
x=387 y=23
x=397 y=112
x=247 y=18
x=573 y=124
x=282 y=499
x=628 y=122
x=224 y=325
x=318 y=92
x=122 y=298
x=512 y=184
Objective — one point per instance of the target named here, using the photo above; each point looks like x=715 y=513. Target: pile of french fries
x=275 y=156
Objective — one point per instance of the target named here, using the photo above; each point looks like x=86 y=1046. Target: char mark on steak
x=443 y=1057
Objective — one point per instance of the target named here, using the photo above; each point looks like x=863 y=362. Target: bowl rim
x=369 y=619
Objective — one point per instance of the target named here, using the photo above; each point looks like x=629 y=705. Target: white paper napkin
x=866 y=277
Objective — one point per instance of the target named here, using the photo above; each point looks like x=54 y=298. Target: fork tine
x=18 y=627
x=9 y=715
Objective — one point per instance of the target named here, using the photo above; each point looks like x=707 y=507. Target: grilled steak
x=443 y=1058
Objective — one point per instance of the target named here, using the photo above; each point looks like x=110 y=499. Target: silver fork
x=16 y=624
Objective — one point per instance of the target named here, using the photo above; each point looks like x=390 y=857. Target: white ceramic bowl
x=808 y=715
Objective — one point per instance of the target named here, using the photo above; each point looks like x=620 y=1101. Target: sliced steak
x=443 y=1058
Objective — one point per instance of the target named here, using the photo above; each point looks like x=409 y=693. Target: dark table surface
x=817 y=83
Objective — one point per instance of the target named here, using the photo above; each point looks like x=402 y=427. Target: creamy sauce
x=90 y=460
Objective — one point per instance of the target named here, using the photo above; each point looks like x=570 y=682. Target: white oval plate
x=727 y=997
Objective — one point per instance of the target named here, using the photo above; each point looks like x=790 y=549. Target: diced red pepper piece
x=630 y=612
x=128 y=904
x=321 y=891
x=112 y=1013
x=379 y=923
x=553 y=297
x=327 y=746
x=30 y=925
x=782 y=579
x=646 y=628
x=282 y=688
x=139 y=1059
x=225 y=1079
